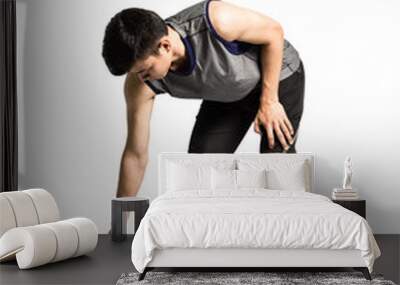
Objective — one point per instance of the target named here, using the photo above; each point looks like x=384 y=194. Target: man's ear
x=165 y=44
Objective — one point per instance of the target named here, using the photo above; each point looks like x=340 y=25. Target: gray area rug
x=230 y=278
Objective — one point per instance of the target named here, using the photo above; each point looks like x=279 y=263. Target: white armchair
x=31 y=230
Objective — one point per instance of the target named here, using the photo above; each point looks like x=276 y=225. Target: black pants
x=221 y=126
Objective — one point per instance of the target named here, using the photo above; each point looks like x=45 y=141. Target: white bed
x=249 y=226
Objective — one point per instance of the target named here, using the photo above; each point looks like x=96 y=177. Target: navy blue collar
x=191 y=59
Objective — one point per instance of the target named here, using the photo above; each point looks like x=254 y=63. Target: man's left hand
x=272 y=116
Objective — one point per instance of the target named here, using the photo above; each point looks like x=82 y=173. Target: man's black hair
x=131 y=35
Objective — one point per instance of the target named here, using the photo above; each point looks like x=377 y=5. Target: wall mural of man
x=233 y=58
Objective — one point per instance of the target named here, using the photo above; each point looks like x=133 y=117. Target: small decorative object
x=348 y=173
x=347 y=192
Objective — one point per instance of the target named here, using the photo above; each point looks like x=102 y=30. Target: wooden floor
x=110 y=260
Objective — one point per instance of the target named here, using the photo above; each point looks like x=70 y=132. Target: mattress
x=250 y=218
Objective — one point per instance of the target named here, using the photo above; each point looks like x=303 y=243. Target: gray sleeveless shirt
x=217 y=70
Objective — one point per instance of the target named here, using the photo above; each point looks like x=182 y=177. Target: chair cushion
x=40 y=244
x=7 y=220
x=27 y=208
x=45 y=205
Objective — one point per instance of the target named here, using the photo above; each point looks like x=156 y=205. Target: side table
x=139 y=205
x=357 y=206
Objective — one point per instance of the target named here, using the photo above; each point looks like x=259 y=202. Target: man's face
x=155 y=66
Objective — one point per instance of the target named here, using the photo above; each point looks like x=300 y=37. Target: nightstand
x=139 y=205
x=357 y=206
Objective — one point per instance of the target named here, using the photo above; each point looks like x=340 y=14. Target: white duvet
x=250 y=218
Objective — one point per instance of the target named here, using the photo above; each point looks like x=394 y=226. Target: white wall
x=72 y=113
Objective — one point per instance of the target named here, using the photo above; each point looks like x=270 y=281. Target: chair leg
x=364 y=271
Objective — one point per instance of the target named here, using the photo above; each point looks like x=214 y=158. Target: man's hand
x=273 y=117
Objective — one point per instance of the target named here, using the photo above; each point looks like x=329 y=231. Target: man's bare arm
x=139 y=102
x=238 y=23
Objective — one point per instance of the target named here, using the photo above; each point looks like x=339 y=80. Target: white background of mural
x=72 y=113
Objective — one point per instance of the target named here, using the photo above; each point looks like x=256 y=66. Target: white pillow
x=282 y=174
x=223 y=179
x=193 y=173
x=251 y=178
x=291 y=178
x=187 y=177
x=237 y=179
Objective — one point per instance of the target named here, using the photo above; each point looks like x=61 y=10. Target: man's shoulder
x=188 y=13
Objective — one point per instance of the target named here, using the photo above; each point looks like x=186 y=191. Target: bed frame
x=249 y=258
